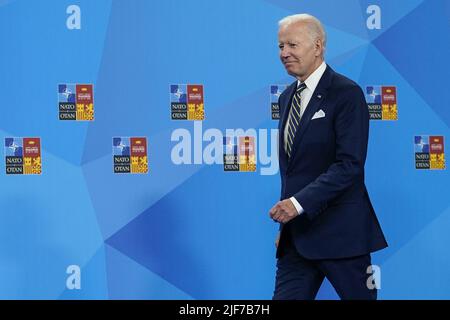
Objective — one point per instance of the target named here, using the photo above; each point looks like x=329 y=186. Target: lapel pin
x=319 y=96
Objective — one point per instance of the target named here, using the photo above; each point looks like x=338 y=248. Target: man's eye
x=281 y=46
x=292 y=45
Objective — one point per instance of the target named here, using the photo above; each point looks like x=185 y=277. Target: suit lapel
x=317 y=99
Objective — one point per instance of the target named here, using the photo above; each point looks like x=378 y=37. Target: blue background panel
x=193 y=231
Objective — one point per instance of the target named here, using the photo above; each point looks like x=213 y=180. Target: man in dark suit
x=328 y=227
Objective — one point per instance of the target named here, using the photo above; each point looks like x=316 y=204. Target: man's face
x=299 y=54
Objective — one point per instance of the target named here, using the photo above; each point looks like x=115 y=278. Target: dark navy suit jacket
x=326 y=173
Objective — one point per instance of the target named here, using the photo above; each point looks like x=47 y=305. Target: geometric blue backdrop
x=193 y=231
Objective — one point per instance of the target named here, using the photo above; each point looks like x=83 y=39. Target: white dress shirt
x=311 y=84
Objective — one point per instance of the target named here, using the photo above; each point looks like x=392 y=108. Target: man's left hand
x=283 y=211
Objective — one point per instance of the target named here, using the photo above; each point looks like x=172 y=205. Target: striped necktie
x=294 y=118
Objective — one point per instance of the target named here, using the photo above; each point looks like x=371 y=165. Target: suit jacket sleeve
x=351 y=125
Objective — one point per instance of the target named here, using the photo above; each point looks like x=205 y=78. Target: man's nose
x=284 y=53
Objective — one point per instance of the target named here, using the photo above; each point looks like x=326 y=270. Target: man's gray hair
x=316 y=30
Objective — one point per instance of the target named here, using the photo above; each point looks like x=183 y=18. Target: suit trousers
x=298 y=278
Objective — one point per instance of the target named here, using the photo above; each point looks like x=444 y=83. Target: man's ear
x=319 y=47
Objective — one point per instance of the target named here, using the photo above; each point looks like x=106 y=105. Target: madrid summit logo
x=241 y=156
x=76 y=102
x=130 y=155
x=382 y=102
x=429 y=152
x=23 y=155
x=275 y=91
x=187 y=102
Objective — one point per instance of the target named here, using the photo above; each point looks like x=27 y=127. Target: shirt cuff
x=297 y=205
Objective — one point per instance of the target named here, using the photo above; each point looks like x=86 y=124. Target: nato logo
x=429 y=152
x=230 y=154
x=373 y=94
x=239 y=154
x=76 y=102
x=187 y=102
x=23 y=155
x=178 y=93
x=382 y=102
x=130 y=155
x=275 y=91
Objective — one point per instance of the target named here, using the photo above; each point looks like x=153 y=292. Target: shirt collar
x=313 y=80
